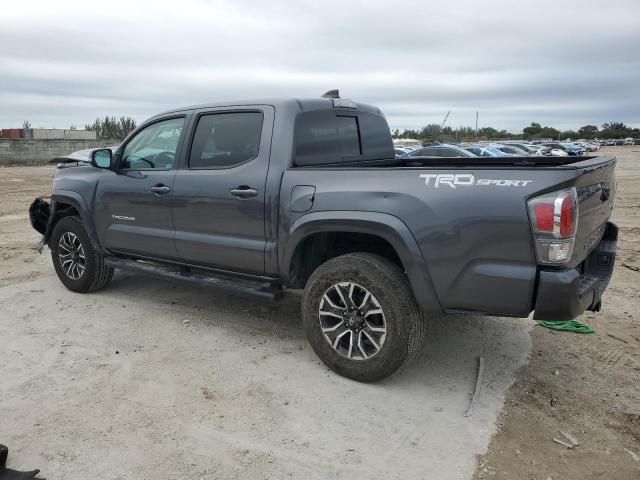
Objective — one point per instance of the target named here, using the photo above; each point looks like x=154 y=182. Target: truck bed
x=468 y=216
x=480 y=162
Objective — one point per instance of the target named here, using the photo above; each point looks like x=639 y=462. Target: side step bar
x=242 y=286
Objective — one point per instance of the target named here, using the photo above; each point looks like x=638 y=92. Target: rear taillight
x=554 y=221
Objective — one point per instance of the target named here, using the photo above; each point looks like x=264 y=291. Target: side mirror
x=101 y=158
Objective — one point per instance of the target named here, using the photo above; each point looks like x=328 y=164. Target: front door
x=133 y=204
x=219 y=195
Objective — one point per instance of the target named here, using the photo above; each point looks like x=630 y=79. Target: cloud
x=559 y=63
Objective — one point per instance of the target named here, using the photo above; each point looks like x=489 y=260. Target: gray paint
x=475 y=241
x=128 y=195
x=464 y=249
x=213 y=227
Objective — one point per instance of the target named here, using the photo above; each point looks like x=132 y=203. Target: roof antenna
x=332 y=94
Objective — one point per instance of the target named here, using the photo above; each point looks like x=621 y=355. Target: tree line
x=532 y=132
x=111 y=128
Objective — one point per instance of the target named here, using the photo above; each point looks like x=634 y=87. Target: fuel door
x=302 y=198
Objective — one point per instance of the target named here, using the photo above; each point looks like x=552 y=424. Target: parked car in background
x=486 y=151
x=400 y=151
x=411 y=148
x=513 y=150
x=586 y=146
x=636 y=141
x=521 y=145
x=442 y=150
x=577 y=147
x=531 y=148
x=628 y=141
x=563 y=147
x=539 y=150
x=557 y=152
x=594 y=145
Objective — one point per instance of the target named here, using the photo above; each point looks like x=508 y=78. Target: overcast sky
x=561 y=63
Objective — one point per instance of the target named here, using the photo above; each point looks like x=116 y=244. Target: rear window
x=326 y=137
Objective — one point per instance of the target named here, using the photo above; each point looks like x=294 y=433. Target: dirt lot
x=148 y=379
x=584 y=385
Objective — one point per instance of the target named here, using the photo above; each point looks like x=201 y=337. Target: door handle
x=243 y=192
x=160 y=189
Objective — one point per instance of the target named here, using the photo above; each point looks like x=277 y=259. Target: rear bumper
x=565 y=294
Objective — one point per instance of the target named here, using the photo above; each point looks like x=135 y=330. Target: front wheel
x=360 y=316
x=79 y=266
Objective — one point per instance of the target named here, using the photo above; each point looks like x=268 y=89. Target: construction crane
x=445 y=120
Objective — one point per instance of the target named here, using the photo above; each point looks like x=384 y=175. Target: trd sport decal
x=468 y=180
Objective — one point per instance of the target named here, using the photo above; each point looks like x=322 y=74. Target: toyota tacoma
x=306 y=194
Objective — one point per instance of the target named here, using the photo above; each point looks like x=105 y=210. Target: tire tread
x=417 y=330
x=103 y=273
x=388 y=277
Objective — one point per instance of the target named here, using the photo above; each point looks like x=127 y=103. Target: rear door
x=133 y=204
x=219 y=194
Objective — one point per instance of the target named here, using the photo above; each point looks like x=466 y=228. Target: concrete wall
x=22 y=151
x=59 y=134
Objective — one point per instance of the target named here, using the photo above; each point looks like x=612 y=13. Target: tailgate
x=596 y=188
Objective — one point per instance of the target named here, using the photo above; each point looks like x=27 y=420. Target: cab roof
x=304 y=105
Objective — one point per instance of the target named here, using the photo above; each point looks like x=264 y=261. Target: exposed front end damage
x=42 y=214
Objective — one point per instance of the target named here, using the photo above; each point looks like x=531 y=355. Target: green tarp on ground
x=566 y=326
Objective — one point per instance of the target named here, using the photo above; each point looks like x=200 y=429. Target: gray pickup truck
x=268 y=195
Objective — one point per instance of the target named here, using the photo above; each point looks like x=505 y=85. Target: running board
x=242 y=286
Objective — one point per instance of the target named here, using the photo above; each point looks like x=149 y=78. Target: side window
x=324 y=137
x=224 y=140
x=153 y=147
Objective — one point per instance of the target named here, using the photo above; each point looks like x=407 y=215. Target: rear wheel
x=360 y=316
x=79 y=266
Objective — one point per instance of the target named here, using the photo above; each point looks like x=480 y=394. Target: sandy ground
x=585 y=385
x=149 y=379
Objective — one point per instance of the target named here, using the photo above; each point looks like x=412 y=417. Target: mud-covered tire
x=403 y=320
x=96 y=273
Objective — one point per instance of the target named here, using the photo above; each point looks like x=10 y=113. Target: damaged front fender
x=45 y=212
x=41 y=214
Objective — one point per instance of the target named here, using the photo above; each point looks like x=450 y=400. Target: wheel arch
x=65 y=203
x=390 y=231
